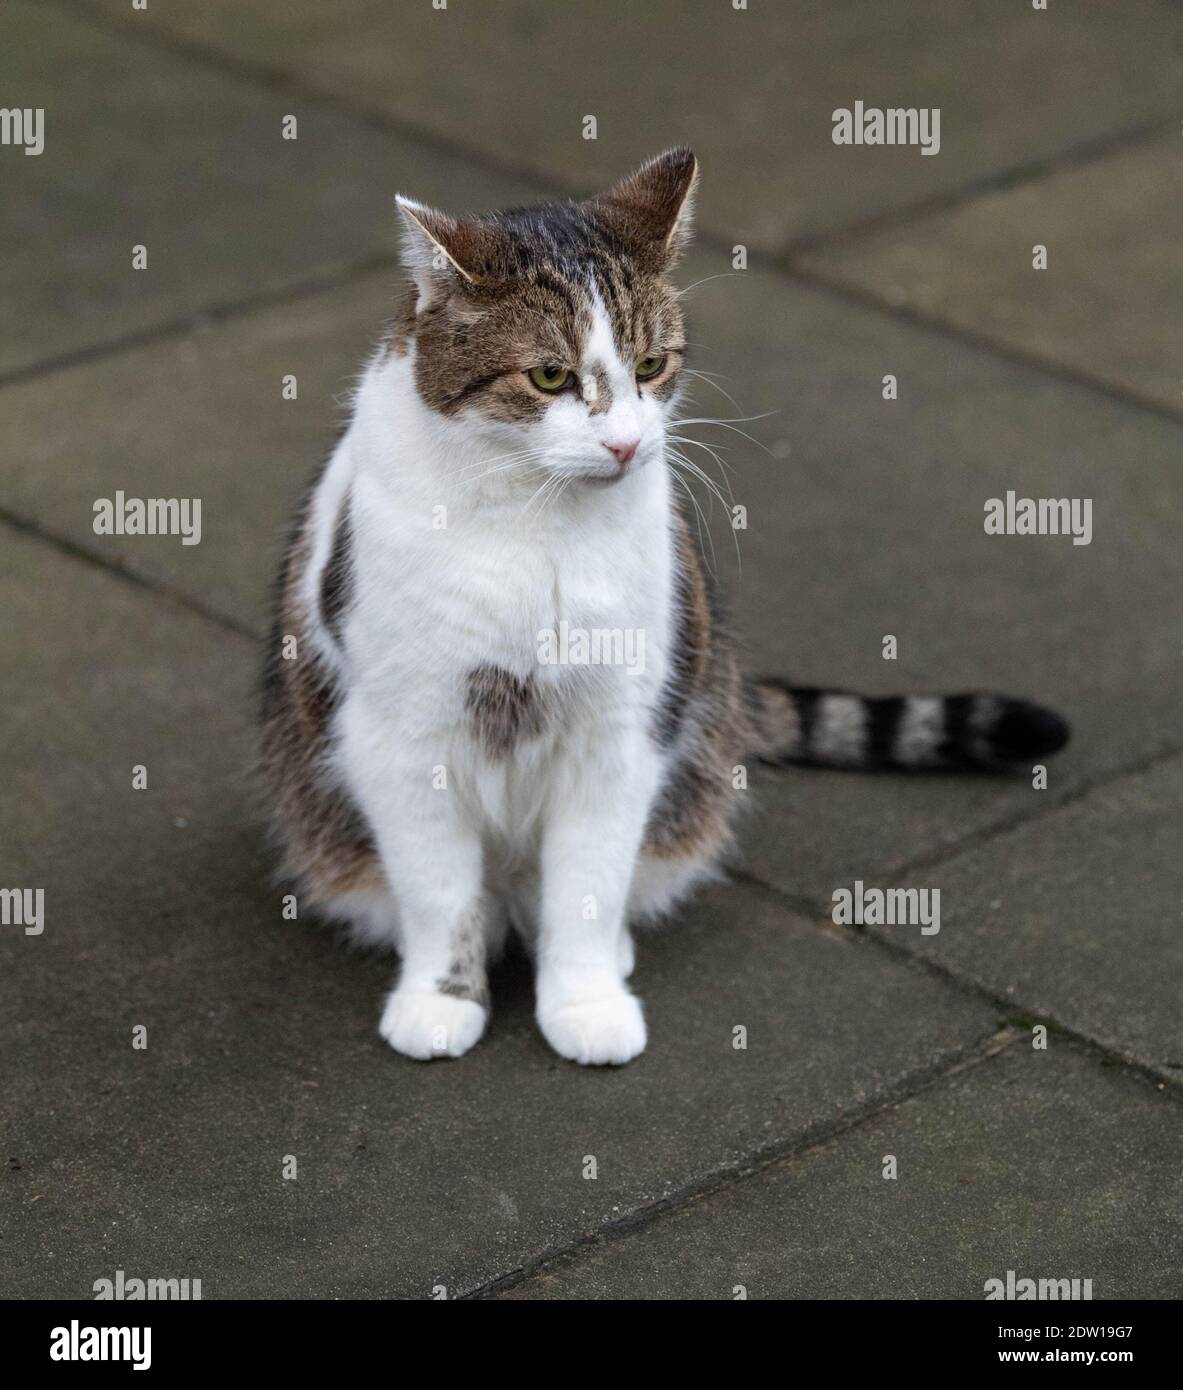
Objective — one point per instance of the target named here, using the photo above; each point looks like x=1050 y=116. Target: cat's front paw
x=608 y=1031
x=425 y=1024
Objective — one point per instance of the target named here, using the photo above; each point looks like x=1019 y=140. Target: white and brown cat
x=438 y=777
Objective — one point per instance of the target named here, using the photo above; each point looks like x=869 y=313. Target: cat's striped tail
x=830 y=728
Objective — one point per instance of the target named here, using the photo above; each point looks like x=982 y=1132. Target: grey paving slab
x=1077 y=917
x=200 y=416
x=873 y=525
x=865 y=518
x=261 y=1034
x=753 y=89
x=1108 y=303
x=1047 y=1164
x=144 y=147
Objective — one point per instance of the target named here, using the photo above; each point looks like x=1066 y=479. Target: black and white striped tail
x=829 y=728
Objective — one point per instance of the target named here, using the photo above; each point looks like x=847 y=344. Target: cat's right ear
x=653 y=209
x=441 y=251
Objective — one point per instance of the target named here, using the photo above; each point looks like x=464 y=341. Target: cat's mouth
x=609 y=478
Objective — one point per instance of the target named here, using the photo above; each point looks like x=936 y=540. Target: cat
x=436 y=782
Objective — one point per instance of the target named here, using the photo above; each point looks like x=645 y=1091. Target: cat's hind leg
x=370 y=920
x=660 y=884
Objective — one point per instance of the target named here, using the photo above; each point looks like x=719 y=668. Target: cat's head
x=552 y=329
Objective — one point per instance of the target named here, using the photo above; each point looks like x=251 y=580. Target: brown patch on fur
x=704 y=717
x=328 y=848
x=336 y=580
x=402 y=329
x=474 y=348
x=644 y=313
x=692 y=634
x=466 y=977
x=503 y=709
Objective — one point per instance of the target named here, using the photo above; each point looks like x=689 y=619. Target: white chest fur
x=455 y=569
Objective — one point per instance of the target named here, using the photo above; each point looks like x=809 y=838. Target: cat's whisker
x=726 y=479
x=677 y=458
x=722 y=275
x=518 y=456
x=724 y=420
x=705 y=378
x=731 y=424
x=711 y=512
x=700 y=523
x=704 y=478
x=556 y=493
x=526 y=472
x=519 y=461
x=726 y=472
x=552 y=480
x=709 y=448
x=513 y=453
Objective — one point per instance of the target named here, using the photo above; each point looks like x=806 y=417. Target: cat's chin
x=610 y=479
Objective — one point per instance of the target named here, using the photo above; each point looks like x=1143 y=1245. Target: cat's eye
x=650 y=366
x=550 y=378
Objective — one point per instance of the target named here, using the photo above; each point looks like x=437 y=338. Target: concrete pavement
x=715 y=1165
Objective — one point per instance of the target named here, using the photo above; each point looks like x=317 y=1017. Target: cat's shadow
x=511 y=979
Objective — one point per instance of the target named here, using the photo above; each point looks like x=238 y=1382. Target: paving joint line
x=915 y=1083
x=1105 y=1052
x=867 y=299
x=1089 y=151
x=118 y=569
x=785 y=262
x=284 y=80
x=219 y=312
x=800 y=905
x=987 y=833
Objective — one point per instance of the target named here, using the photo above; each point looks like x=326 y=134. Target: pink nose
x=623 y=452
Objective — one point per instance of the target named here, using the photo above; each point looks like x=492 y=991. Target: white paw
x=424 y=1024
x=601 y=1032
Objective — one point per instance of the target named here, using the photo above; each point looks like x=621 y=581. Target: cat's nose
x=623 y=451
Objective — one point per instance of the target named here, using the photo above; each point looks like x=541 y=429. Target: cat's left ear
x=652 y=210
x=443 y=252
